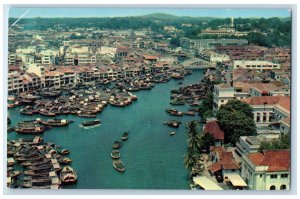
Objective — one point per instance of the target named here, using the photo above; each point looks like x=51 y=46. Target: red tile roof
x=213 y=128
x=276 y=160
x=260 y=100
x=285 y=102
x=226 y=160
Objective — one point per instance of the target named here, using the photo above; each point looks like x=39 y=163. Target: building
x=251 y=144
x=213 y=128
x=39 y=70
x=213 y=57
x=268 y=170
x=201 y=44
x=224 y=92
x=269 y=109
x=223 y=163
x=255 y=64
x=15 y=82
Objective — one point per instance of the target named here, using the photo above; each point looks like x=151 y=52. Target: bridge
x=196 y=63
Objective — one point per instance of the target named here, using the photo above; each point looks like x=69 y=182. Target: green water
x=153 y=159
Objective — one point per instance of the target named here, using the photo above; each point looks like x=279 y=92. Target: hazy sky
x=113 y=12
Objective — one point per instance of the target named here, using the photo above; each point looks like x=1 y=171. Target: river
x=153 y=159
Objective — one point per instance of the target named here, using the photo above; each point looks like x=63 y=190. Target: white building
x=269 y=109
x=269 y=170
x=39 y=70
x=255 y=64
x=224 y=92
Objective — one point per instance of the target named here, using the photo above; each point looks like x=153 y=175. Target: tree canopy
x=236 y=119
x=284 y=142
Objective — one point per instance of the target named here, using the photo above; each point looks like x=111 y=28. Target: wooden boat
x=47 y=113
x=119 y=165
x=64 y=151
x=68 y=175
x=65 y=160
x=190 y=113
x=91 y=123
x=125 y=136
x=87 y=115
x=117 y=144
x=30 y=130
x=173 y=123
x=115 y=154
x=56 y=122
x=172 y=133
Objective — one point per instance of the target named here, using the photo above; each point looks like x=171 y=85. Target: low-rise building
x=255 y=64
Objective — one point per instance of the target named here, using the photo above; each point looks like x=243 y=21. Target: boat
x=64 y=151
x=87 y=115
x=117 y=144
x=91 y=123
x=68 y=175
x=115 y=154
x=119 y=165
x=47 y=113
x=125 y=136
x=173 y=123
x=30 y=130
x=55 y=122
x=172 y=133
x=65 y=160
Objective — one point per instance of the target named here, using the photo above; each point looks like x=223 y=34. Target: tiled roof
x=276 y=160
x=285 y=102
x=261 y=100
x=226 y=160
x=213 y=128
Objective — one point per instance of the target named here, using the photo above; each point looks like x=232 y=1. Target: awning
x=236 y=180
x=206 y=183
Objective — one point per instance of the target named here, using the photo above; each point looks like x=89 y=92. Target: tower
x=232 y=23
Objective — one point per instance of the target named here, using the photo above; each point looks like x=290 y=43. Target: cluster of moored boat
x=116 y=155
x=83 y=103
x=43 y=165
x=174 y=112
x=189 y=94
x=38 y=125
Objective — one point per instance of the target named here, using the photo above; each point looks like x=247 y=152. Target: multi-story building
x=201 y=44
x=268 y=170
x=224 y=92
x=255 y=64
x=15 y=82
x=269 y=109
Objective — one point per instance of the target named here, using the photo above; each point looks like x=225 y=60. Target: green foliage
x=284 y=142
x=207 y=140
x=233 y=105
x=235 y=118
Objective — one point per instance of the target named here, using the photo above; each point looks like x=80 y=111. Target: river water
x=153 y=159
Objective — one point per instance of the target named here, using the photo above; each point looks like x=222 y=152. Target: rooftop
x=275 y=160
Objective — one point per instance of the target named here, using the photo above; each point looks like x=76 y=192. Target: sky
x=116 y=12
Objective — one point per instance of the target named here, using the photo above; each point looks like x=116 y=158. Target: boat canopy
x=236 y=180
x=206 y=183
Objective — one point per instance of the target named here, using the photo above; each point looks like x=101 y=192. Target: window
x=283 y=187
x=272 y=187
x=260 y=175
x=273 y=176
x=284 y=175
x=222 y=100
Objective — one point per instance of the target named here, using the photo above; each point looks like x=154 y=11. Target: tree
x=235 y=118
x=284 y=142
x=207 y=140
x=237 y=105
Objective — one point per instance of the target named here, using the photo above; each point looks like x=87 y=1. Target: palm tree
x=190 y=158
